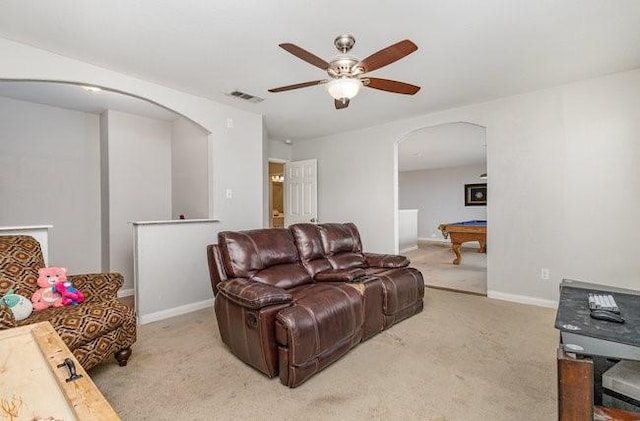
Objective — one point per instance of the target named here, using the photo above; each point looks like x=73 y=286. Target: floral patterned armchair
x=95 y=331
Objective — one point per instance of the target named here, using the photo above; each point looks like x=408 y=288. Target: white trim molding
x=408 y=249
x=468 y=244
x=522 y=299
x=125 y=292
x=175 y=311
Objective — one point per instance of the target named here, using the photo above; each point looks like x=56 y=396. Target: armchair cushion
x=81 y=324
x=253 y=294
x=339 y=275
x=6 y=318
x=98 y=286
x=385 y=260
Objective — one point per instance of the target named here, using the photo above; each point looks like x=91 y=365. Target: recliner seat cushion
x=340 y=275
x=283 y=276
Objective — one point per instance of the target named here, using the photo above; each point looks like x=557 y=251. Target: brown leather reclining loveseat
x=292 y=301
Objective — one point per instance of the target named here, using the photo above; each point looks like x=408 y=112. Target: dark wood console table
x=586 y=345
x=576 y=400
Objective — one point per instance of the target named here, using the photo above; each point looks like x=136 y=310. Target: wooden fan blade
x=340 y=104
x=388 y=55
x=391 y=86
x=305 y=55
x=297 y=86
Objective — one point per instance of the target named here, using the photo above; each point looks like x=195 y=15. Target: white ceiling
x=469 y=51
x=447 y=145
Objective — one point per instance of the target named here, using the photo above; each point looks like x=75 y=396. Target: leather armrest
x=385 y=260
x=339 y=275
x=252 y=294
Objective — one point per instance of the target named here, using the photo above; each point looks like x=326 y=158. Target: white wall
x=139 y=156
x=279 y=150
x=50 y=174
x=438 y=195
x=172 y=270
x=407 y=230
x=189 y=170
x=356 y=175
x=564 y=178
x=236 y=152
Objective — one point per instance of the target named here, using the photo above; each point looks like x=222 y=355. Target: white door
x=301 y=192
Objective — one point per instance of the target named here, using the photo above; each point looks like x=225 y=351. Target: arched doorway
x=436 y=167
x=90 y=160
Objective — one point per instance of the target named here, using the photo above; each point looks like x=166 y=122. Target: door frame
x=269 y=204
x=287 y=185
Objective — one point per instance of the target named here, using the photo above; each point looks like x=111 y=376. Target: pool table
x=461 y=232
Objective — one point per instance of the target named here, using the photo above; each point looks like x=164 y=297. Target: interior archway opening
x=442 y=182
x=92 y=160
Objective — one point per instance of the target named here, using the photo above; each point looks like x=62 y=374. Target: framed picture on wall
x=475 y=194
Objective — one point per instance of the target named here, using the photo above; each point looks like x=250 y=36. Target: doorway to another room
x=276 y=194
x=293 y=192
x=437 y=167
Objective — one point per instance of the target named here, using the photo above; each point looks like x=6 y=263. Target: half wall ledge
x=171 y=273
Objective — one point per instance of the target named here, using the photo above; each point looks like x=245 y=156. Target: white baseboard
x=424 y=240
x=522 y=299
x=175 y=311
x=469 y=244
x=408 y=249
x=125 y=292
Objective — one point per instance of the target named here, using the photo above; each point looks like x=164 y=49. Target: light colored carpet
x=435 y=261
x=463 y=358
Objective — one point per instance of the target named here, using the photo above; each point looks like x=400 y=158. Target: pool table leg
x=483 y=246
x=456 y=249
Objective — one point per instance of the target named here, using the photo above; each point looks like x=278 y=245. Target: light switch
x=229 y=193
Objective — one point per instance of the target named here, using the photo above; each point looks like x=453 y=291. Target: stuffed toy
x=71 y=296
x=19 y=305
x=47 y=296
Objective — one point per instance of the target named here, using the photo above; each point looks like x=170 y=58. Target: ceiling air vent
x=245 y=96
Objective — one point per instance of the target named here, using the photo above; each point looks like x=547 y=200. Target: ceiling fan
x=347 y=73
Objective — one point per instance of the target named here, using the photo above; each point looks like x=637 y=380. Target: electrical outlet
x=544 y=273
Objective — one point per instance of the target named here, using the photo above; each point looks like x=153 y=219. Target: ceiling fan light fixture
x=344 y=88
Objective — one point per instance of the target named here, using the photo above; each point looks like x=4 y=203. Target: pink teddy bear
x=47 y=296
